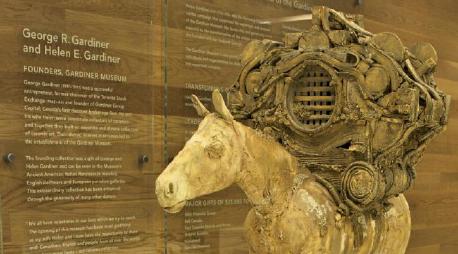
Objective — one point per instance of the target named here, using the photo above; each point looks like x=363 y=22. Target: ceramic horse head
x=292 y=213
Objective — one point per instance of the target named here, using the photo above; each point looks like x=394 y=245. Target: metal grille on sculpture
x=334 y=121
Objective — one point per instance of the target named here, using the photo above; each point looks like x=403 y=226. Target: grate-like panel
x=314 y=97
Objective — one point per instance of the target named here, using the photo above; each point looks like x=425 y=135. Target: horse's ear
x=200 y=108
x=220 y=105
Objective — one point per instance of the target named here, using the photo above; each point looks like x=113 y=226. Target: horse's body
x=292 y=213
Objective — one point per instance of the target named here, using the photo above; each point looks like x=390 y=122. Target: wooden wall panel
x=76 y=184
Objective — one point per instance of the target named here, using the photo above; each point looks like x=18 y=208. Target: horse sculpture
x=292 y=212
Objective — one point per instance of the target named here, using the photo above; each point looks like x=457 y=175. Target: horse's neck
x=267 y=172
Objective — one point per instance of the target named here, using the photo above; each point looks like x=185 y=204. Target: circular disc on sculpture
x=362 y=183
x=377 y=82
x=391 y=44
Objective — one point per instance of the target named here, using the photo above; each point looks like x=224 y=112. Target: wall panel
x=76 y=184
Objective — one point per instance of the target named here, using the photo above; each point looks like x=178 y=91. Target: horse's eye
x=214 y=150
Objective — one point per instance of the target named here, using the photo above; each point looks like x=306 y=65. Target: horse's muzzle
x=168 y=196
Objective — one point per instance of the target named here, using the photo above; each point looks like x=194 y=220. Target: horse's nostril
x=171 y=188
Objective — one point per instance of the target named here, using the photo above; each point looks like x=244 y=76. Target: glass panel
x=204 y=40
x=76 y=127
